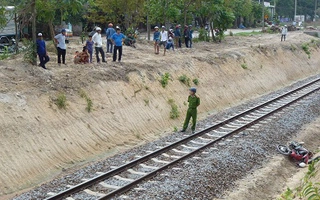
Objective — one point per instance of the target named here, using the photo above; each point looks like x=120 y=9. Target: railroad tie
x=123 y=179
x=97 y=194
x=159 y=161
x=113 y=187
x=148 y=167
x=136 y=172
x=178 y=151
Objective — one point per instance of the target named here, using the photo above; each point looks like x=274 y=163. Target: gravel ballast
x=217 y=170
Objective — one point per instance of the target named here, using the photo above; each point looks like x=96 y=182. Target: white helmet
x=302 y=164
x=98 y=29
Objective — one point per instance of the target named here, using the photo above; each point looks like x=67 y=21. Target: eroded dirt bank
x=38 y=140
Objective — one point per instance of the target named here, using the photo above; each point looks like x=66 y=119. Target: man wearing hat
x=177 y=36
x=194 y=102
x=284 y=32
x=60 y=40
x=42 y=51
x=117 y=40
x=97 y=39
x=156 y=39
x=109 y=32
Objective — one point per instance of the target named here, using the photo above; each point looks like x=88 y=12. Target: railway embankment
x=55 y=120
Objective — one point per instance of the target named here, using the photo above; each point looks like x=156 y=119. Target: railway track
x=147 y=166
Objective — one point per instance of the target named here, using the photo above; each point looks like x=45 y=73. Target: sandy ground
x=280 y=173
x=40 y=141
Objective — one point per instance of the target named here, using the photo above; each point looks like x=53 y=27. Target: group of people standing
x=94 y=43
x=114 y=43
x=172 y=38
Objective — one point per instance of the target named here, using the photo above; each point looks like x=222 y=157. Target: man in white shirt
x=163 y=38
x=97 y=39
x=284 y=32
x=60 y=40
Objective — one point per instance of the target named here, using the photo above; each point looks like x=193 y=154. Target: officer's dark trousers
x=192 y=112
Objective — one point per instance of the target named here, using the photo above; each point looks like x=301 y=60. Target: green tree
x=217 y=14
x=126 y=13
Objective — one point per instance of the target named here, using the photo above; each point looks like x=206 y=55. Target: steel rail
x=137 y=161
x=245 y=126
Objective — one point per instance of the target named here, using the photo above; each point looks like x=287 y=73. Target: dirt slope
x=38 y=140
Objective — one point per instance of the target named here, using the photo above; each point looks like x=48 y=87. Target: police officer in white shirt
x=97 y=39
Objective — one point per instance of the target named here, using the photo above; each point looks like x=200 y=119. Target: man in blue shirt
x=42 y=51
x=109 y=32
x=177 y=36
x=156 y=39
x=117 y=40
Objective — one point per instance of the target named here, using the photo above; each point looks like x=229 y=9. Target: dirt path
x=278 y=174
x=39 y=141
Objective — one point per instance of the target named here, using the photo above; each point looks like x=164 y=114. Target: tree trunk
x=212 y=33
x=34 y=31
x=52 y=33
x=185 y=14
x=16 y=32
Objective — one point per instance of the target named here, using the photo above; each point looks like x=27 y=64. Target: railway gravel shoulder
x=187 y=167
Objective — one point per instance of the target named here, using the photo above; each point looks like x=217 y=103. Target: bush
x=84 y=95
x=305 y=48
x=204 y=35
x=61 y=101
x=174 y=113
x=5 y=54
x=30 y=55
x=165 y=79
x=185 y=80
x=195 y=81
x=244 y=66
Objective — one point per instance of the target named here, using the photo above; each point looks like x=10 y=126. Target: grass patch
x=184 y=79
x=175 y=129
x=306 y=49
x=84 y=95
x=138 y=136
x=246 y=34
x=174 y=113
x=307 y=190
x=146 y=102
x=244 y=66
x=5 y=54
x=61 y=101
x=293 y=48
x=287 y=195
x=195 y=81
x=165 y=79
